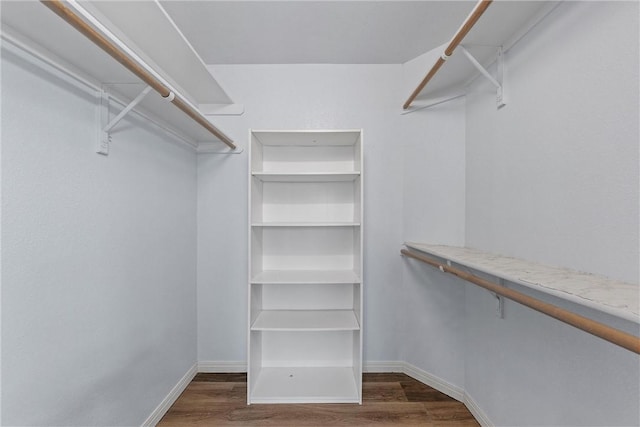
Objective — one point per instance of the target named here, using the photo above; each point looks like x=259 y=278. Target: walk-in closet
x=336 y=213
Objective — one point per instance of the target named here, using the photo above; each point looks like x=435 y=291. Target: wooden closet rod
x=79 y=24
x=471 y=20
x=615 y=336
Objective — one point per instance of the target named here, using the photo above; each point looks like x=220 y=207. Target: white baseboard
x=216 y=366
x=478 y=413
x=383 y=366
x=173 y=395
x=433 y=381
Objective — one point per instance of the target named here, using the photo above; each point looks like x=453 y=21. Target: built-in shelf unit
x=305 y=267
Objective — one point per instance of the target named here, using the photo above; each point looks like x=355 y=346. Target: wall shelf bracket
x=104 y=137
x=499 y=301
x=497 y=82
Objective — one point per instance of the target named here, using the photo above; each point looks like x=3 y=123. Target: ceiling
x=332 y=32
x=272 y=32
x=308 y=32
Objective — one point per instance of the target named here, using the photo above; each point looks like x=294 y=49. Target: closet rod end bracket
x=103 y=138
x=103 y=143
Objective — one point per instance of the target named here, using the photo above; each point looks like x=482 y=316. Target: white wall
x=98 y=259
x=301 y=97
x=553 y=177
x=434 y=209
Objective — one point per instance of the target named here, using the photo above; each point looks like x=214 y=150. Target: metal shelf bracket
x=499 y=301
x=105 y=126
x=497 y=82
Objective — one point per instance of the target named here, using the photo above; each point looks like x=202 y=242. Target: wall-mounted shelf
x=610 y=296
x=35 y=26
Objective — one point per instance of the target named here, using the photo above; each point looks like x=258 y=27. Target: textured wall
x=434 y=198
x=553 y=177
x=98 y=259
x=301 y=97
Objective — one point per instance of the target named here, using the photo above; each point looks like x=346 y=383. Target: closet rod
x=138 y=69
x=468 y=24
x=615 y=336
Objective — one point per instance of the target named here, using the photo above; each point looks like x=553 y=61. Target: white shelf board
x=306 y=176
x=305 y=385
x=610 y=296
x=306 y=320
x=307 y=138
x=283 y=277
x=160 y=42
x=305 y=224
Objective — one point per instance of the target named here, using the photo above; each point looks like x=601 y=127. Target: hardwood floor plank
x=198 y=396
x=331 y=414
x=304 y=415
x=384 y=377
x=389 y=399
x=419 y=392
x=383 y=392
x=239 y=377
x=448 y=411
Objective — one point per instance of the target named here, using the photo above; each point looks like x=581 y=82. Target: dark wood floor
x=388 y=400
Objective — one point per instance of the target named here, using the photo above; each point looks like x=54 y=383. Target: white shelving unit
x=305 y=267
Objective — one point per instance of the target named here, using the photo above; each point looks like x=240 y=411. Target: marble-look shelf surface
x=610 y=296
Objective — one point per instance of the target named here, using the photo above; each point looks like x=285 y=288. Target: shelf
x=158 y=42
x=306 y=176
x=306 y=320
x=610 y=296
x=283 y=277
x=305 y=224
x=161 y=42
x=305 y=385
x=307 y=138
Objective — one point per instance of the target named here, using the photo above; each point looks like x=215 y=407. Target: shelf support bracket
x=500 y=102
x=104 y=137
x=499 y=301
x=499 y=298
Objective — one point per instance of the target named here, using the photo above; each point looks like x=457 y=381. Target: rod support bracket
x=499 y=301
x=498 y=80
x=105 y=125
x=103 y=139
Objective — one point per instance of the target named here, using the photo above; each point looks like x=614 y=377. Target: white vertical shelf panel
x=305 y=287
